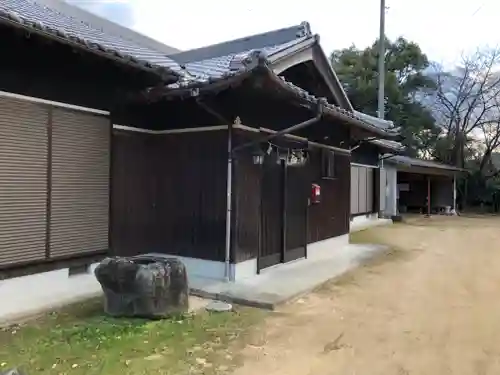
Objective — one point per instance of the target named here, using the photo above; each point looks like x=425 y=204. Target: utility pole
x=381 y=62
x=383 y=182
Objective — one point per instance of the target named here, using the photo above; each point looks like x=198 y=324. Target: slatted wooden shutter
x=79 y=215
x=354 y=190
x=383 y=189
x=23 y=181
x=369 y=190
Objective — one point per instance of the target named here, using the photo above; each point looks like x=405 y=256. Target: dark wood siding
x=247 y=200
x=329 y=218
x=191 y=194
x=366 y=154
x=61 y=73
x=132 y=215
x=169 y=194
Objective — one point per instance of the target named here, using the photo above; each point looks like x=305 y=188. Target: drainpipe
x=382 y=190
x=229 y=187
x=300 y=125
x=229 y=193
x=231 y=151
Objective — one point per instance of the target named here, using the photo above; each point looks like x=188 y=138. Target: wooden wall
x=169 y=194
x=191 y=194
x=132 y=193
x=46 y=69
x=367 y=154
x=330 y=218
x=246 y=200
x=327 y=219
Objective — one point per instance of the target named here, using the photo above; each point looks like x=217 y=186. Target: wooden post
x=455 y=193
x=428 y=196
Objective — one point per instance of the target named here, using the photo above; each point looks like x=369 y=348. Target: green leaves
x=404 y=81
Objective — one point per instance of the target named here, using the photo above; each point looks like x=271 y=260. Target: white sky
x=443 y=28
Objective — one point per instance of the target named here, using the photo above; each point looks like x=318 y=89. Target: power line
x=477 y=10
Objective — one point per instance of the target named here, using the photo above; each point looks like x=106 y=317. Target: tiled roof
x=333 y=110
x=37 y=17
x=220 y=66
x=216 y=64
x=240 y=66
x=383 y=124
x=248 y=43
x=69 y=8
x=230 y=58
x=406 y=160
x=386 y=143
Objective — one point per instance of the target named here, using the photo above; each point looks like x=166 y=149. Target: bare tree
x=466 y=105
x=490 y=132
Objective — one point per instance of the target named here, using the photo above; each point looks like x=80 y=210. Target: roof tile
x=383 y=124
x=220 y=66
x=36 y=16
x=220 y=61
x=248 y=43
x=204 y=73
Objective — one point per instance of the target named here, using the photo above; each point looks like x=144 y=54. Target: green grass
x=82 y=340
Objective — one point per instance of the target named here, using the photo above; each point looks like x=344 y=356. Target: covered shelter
x=423 y=186
x=369 y=178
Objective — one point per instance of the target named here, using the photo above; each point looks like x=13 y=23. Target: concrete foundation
x=30 y=295
x=27 y=296
x=367 y=221
x=280 y=284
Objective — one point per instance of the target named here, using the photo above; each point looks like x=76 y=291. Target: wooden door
x=296 y=191
x=272 y=194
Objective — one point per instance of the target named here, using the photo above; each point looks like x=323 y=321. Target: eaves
x=35 y=19
x=310 y=50
x=388 y=146
x=330 y=77
x=255 y=65
x=295 y=54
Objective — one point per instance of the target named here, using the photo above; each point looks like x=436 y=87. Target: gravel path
x=430 y=307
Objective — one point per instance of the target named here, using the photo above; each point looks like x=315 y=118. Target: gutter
x=290 y=129
x=438 y=167
x=386 y=157
x=329 y=109
x=255 y=64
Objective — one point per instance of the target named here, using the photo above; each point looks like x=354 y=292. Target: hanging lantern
x=258 y=156
x=297 y=158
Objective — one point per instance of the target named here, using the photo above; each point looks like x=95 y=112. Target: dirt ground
x=431 y=306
